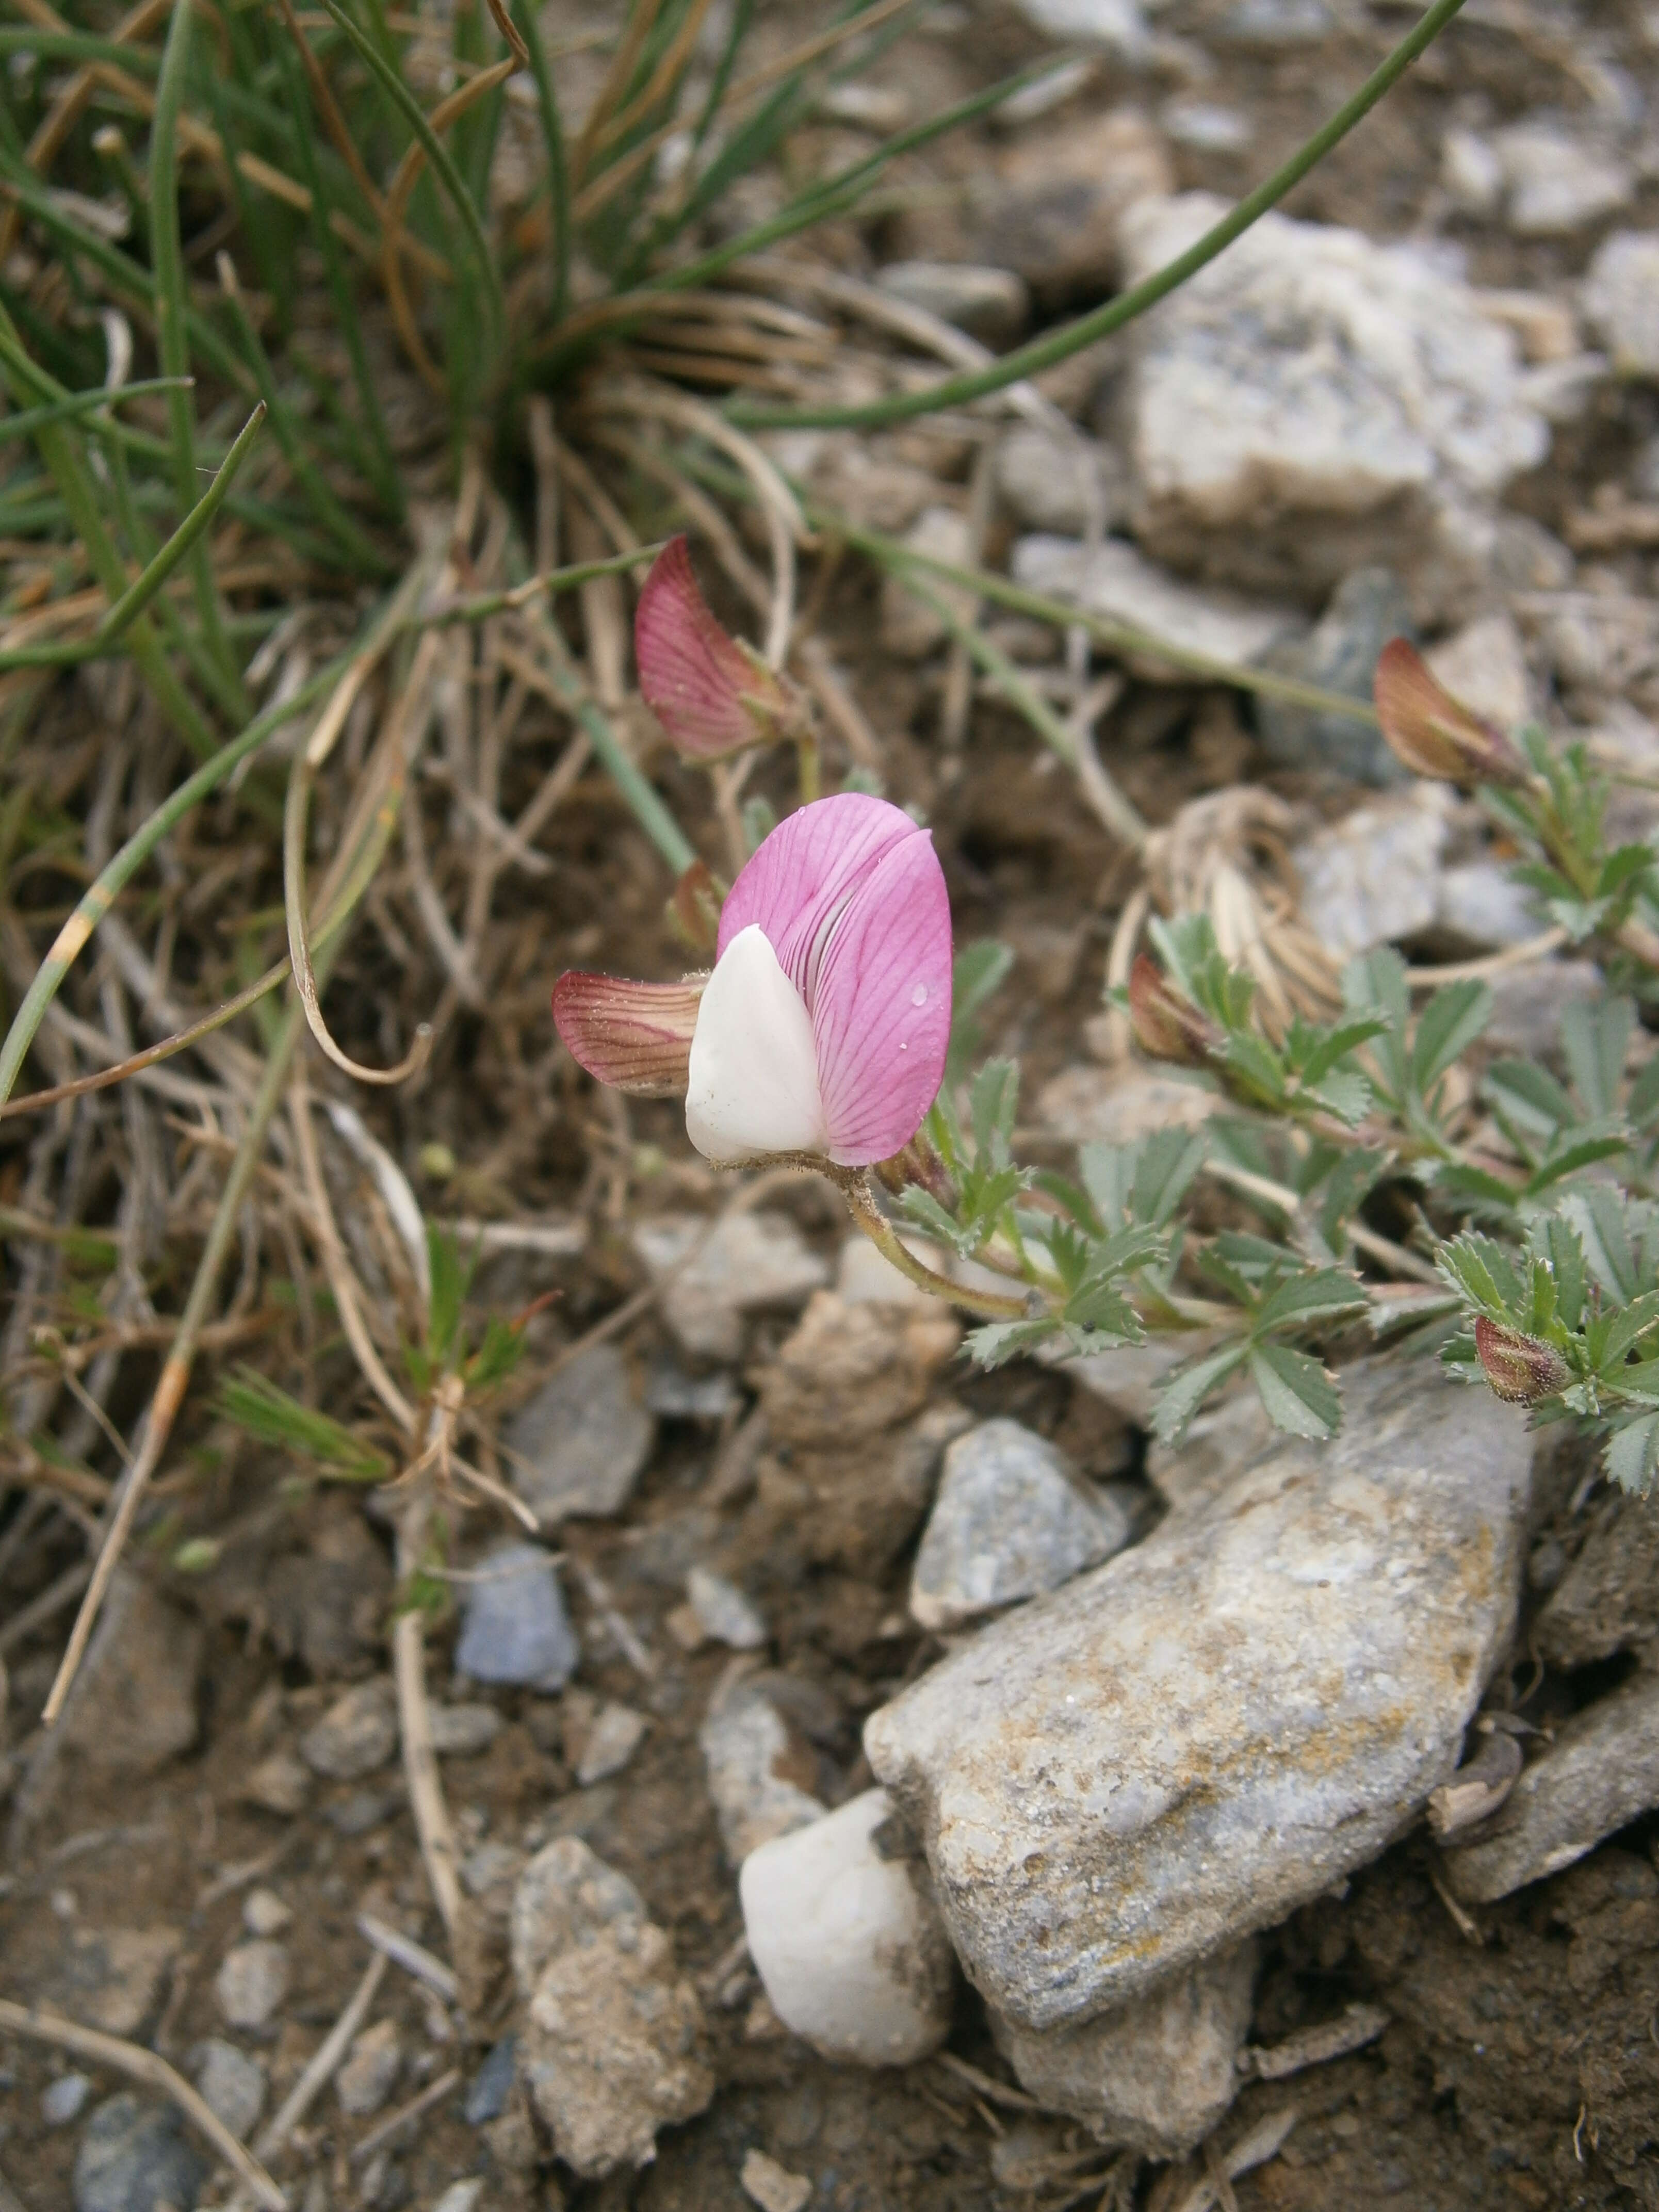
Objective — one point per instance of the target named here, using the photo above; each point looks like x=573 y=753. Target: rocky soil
x=880 y=1785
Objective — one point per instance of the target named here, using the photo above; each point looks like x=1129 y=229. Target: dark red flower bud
x=1520 y=1368
x=1166 y=1025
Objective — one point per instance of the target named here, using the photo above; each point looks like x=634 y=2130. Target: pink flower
x=712 y=694
x=823 y=1030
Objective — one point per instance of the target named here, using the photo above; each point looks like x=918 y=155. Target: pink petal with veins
x=881 y=1012
x=634 y=1037
x=710 y=696
x=851 y=895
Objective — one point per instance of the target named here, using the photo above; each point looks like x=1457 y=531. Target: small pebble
x=724 y=1614
x=772 y=2186
x=371 y=2071
x=362 y=1810
x=616 y=1735
x=263 y=1913
x=516 y=1628
x=62 y=2100
x=686 y=1629
x=492 y=2085
x=463 y=1731
x=252 y=1983
x=357 y=1733
x=847 y=1941
x=280 y=1783
x=461 y=2196
x=232 y=2083
x=133 y=2156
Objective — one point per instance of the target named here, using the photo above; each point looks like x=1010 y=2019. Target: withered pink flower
x=711 y=693
x=1520 y=1368
x=1434 y=734
x=823 y=1027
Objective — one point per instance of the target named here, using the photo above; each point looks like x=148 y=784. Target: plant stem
x=1028 y=360
x=861 y=1205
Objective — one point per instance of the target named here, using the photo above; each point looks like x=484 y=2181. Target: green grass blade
x=443 y=170
x=144 y=586
x=558 y=160
x=353 y=540
x=172 y=337
x=30 y=419
x=1059 y=345
x=96 y=902
x=62 y=455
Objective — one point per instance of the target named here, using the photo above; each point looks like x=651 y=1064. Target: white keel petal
x=754 y=1077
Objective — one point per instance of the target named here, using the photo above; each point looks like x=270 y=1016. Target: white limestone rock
x=846 y=1938
x=1621 y=301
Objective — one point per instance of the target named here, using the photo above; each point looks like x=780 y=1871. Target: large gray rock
x=1375 y=875
x=1156 y=2075
x=714 y=1273
x=1011 y=1521
x=579 y=1445
x=1602 y=1771
x=1219 y=1724
x=613 y=2045
x=1311 y=402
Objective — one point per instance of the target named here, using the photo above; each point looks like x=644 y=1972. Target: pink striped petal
x=711 y=695
x=797 y=883
x=634 y=1037
x=881 y=1009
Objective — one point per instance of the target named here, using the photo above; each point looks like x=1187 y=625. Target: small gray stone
x=1472 y=173
x=492 y=2085
x=462 y=2196
x=111 y=1978
x=616 y=1734
x=1205 y=126
x=613 y=2045
x=1050 y=482
x=358 y=1733
x=1480 y=902
x=252 y=1983
x=63 y=2100
x=752 y=1757
x=516 y=1629
x=1183 y=1745
x=723 y=1612
x=280 y=1784
x=676 y=1395
x=1009 y=1521
x=263 y=1913
x=1156 y=2075
x=1621 y=301
x=1117 y=25
x=463 y=1731
x=989 y=304
x=579 y=1446
x=233 y=2085
x=362 y=1810
x=746 y=1263
x=1559 y=184
x=1374 y=877
x=1607 y=1600
x=1366 y=610
x=370 y=2072
x=133 y=2156
x=133 y=1708
x=1272 y=26
x=1528 y=1004
x=1602 y=1771
x=1112 y=580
